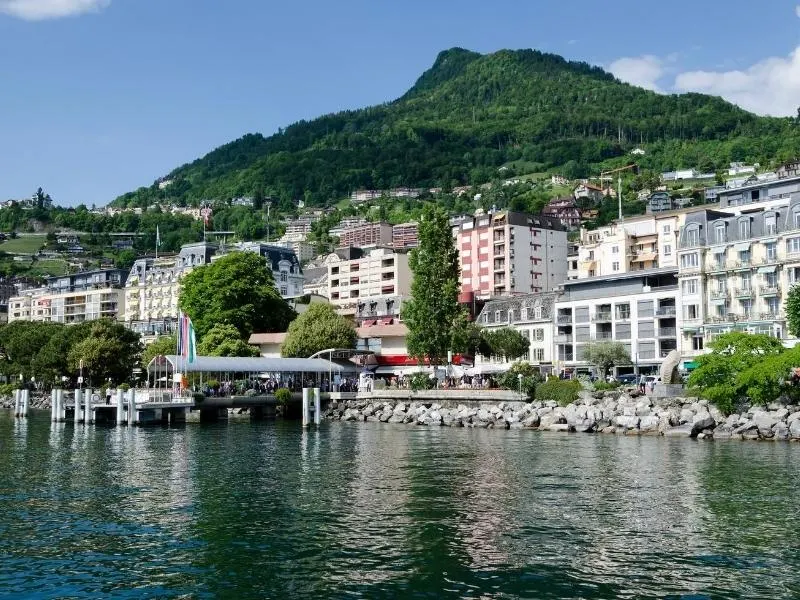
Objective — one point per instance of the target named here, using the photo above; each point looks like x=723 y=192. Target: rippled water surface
x=374 y=511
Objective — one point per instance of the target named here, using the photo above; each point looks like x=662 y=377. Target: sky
x=99 y=97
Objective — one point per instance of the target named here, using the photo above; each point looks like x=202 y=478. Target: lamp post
x=519 y=379
x=268 y=206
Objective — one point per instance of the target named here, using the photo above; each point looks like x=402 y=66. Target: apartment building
x=73 y=298
x=405 y=235
x=756 y=191
x=284 y=264
x=637 y=309
x=379 y=272
x=638 y=243
x=304 y=251
x=369 y=234
x=508 y=253
x=735 y=272
x=531 y=315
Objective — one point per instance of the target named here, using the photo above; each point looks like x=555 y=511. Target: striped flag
x=187 y=344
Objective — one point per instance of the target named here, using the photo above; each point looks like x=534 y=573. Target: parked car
x=627 y=379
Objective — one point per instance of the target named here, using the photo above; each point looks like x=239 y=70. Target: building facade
x=369 y=234
x=508 y=253
x=637 y=309
x=284 y=264
x=405 y=235
x=380 y=272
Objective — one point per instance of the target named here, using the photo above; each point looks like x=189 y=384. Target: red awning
x=387 y=321
x=368 y=323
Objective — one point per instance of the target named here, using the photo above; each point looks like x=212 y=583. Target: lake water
x=366 y=510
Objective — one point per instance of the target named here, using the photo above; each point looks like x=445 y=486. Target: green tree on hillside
x=319 y=328
x=238 y=290
x=433 y=312
x=224 y=340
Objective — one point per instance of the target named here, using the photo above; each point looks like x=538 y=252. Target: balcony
x=564 y=319
x=564 y=338
x=665 y=311
x=603 y=335
x=601 y=317
x=770 y=290
x=623 y=316
x=742 y=265
x=768 y=260
x=743 y=293
x=719 y=294
x=667 y=332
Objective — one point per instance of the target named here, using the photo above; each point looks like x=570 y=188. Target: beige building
x=377 y=272
x=636 y=244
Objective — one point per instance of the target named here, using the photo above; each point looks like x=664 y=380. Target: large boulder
x=794 y=429
x=627 y=422
x=764 y=421
x=679 y=431
x=649 y=423
x=702 y=421
x=531 y=421
x=669 y=368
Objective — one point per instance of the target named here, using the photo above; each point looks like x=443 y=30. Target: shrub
x=422 y=381
x=561 y=391
x=602 y=386
x=213 y=384
x=124 y=387
x=282 y=396
x=530 y=378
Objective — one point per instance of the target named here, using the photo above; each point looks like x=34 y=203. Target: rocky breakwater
x=606 y=412
x=37 y=402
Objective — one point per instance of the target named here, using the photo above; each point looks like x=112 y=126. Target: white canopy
x=236 y=364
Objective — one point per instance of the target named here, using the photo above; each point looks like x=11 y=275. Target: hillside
x=468 y=115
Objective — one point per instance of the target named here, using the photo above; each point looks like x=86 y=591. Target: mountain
x=468 y=115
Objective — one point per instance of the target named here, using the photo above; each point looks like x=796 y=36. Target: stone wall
x=608 y=412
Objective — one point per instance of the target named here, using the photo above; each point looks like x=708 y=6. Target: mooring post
x=317 y=407
x=61 y=413
x=78 y=417
x=120 y=409
x=17 y=402
x=306 y=399
x=53 y=405
x=133 y=418
x=26 y=402
x=88 y=415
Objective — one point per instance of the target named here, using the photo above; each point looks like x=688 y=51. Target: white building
x=377 y=272
x=284 y=264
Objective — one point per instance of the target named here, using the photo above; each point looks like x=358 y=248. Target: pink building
x=509 y=253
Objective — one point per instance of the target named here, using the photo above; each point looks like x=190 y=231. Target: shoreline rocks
x=607 y=412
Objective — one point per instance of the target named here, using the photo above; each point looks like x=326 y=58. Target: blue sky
x=102 y=96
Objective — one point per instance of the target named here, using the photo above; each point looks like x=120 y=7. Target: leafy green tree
x=606 y=355
x=531 y=377
x=467 y=337
x=110 y=351
x=507 y=343
x=719 y=374
x=319 y=328
x=433 y=311
x=21 y=342
x=770 y=378
x=125 y=259
x=163 y=345
x=238 y=290
x=224 y=340
x=793 y=310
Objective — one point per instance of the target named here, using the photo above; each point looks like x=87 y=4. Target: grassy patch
x=53 y=266
x=29 y=244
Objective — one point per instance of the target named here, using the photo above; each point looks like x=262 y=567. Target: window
x=771 y=280
x=537 y=312
x=719 y=232
x=722 y=309
x=746 y=281
x=284 y=276
x=690 y=286
x=538 y=354
x=697 y=342
x=623 y=311
x=744 y=229
x=692 y=260
x=591 y=254
x=722 y=285
x=793 y=245
x=771 y=224
x=284 y=290
x=771 y=250
x=796 y=218
x=746 y=306
x=744 y=256
x=538 y=335
x=615 y=266
x=773 y=306
x=691 y=312
x=667 y=249
x=692 y=237
x=667 y=228
x=615 y=250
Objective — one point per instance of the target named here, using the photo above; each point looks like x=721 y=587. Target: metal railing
x=601 y=316
x=666 y=311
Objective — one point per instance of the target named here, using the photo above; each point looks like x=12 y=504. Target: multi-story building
x=405 y=235
x=637 y=309
x=564 y=210
x=347 y=223
x=380 y=272
x=507 y=253
x=284 y=264
x=635 y=244
x=304 y=251
x=756 y=190
x=378 y=310
x=367 y=235
x=531 y=315
x=73 y=298
x=735 y=270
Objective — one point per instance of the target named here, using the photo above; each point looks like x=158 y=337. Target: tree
x=511 y=380
x=770 y=378
x=238 y=290
x=606 y=355
x=224 y=340
x=125 y=259
x=719 y=374
x=433 y=311
x=21 y=342
x=507 y=342
x=163 y=345
x=110 y=351
x=318 y=328
x=793 y=310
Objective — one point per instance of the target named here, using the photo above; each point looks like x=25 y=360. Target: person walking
x=642 y=383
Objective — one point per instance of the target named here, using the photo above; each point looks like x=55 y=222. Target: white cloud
x=644 y=71
x=797 y=10
x=37 y=10
x=769 y=87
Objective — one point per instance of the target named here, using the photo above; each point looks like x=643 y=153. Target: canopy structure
x=235 y=364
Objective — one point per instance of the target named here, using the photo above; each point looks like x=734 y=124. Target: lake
x=367 y=510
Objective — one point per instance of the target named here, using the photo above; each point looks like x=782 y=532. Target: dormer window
x=744 y=229
x=771 y=224
x=719 y=233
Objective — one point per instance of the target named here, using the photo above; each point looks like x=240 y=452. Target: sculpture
x=669 y=368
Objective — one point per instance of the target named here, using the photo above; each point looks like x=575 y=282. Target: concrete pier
x=17 y=403
x=317 y=407
x=88 y=415
x=133 y=415
x=78 y=398
x=26 y=402
x=306 y=406
x=120 y=406
x=53 y=405
x=61 y=413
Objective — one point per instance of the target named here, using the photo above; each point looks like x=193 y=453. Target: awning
x=488 y=369
x=768 y=269
x=719 y=250
x=718 y=301
x=386 y=321
x=645 y=257
x=768 y=240
x=689 y=365
x=368 y=323
x=742 y=247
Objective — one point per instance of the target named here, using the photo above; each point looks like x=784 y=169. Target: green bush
x=422 y=381
x=124 y=387
x=282 y=396
x=213 y=384
x=530 y=378
x=7 y=389
x=559 y=390
x=602 y=386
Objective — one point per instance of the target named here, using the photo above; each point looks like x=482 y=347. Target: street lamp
x=519 y=378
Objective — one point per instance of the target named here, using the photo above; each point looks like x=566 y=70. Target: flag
x=187 y=342
x=158 y=237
